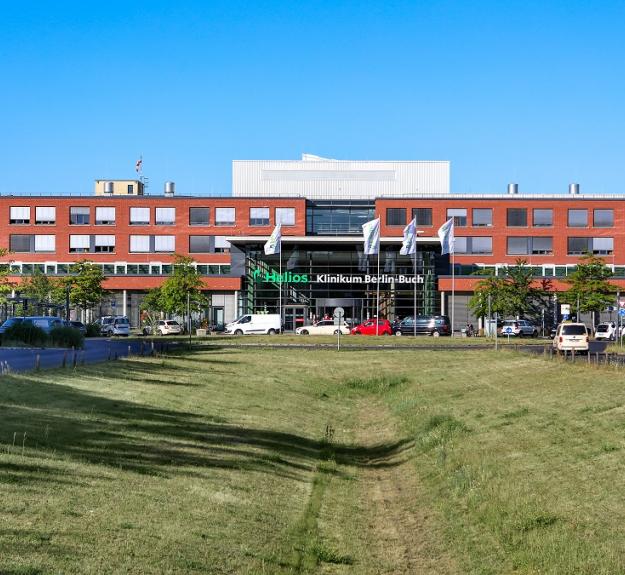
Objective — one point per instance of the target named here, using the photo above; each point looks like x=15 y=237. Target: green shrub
x=93 y=330
x=66 y=337
x=24 y=332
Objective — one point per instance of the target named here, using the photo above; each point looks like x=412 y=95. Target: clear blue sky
x=525 y=91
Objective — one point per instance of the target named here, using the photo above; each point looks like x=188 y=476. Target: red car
x=369 y=327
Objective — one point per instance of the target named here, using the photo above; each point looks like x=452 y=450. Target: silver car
x=519 y=328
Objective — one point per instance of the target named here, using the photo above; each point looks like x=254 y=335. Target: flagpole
x=414 y=288
x=280 y=284
x=377 y=323
x=453 y=287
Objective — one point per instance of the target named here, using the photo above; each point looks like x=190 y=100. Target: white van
x=571 y=337
x=268 y=323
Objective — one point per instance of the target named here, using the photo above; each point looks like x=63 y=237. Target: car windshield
x=172 y=323
x=573 y=330
x=121 y=321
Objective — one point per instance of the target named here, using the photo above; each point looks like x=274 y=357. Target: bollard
x=152 y=348
x=115 y=356
x=74 y=360
x=572 y=356
x=142 y=350
x=37 y=362
x=109 y=353
x=64 y=361
x=588 y=358
x=82 y=358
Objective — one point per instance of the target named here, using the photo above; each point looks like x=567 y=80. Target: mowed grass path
x=301 y=461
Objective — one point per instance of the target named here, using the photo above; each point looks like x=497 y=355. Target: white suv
x=519 y=327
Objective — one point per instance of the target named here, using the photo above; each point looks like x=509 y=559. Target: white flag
x=409 y=245
x=446 y=236
x=371 y=231
x=272 y=246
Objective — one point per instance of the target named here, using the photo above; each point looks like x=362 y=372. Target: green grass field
x=241 y=460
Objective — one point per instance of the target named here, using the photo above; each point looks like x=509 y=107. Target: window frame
x=518 y=211
x=396 y=217
x=579 y=210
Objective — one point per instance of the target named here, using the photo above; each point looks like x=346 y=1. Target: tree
x=42 y=289
x=184 y=282
x=589 y=285
x=85 y=284
x=5 y=284
x=152 y=306
x=514 y=292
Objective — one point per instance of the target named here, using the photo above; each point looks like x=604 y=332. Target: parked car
x=46 y=323
x=571 y=337
x=606 y=331
x=248 y=324
x=373 y=327
x=323 y=327
x=168 y=327
x=434 y=325
x=81 y=327
x=104 y=322
x=519 y=328
x=118 y=326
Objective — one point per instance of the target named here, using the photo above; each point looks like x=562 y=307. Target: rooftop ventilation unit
x=513 y=188
x=108 y=188
x=574 y=189
x=170 y=189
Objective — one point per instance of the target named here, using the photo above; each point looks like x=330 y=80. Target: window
x=79 y=244
x=198 y=216
x=543 y=218
x=45 y=215
x=482 y=217
x=473 y=245
x=542 y=245
x=517 y=217
x=259 y=216
x=104 y=244
x=165 y=244
x=578 y=218
x=602 y=246
x=79 y=216
x=104 y=216
x=45 y=243
x=459 y=216
x=131 y=188
x=165 y=216
x=221 y=244
x=20 y=243
x=422 y=216
x=603 y=218
x=19 y=215
x=395 y=216
x=139 y=216
x=518 y=246
x=140 y=244
x=200 y=244
x=578 y=246
x=285 y=216
x=224 y=216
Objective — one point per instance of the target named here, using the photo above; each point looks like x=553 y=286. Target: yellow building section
x=118 y=188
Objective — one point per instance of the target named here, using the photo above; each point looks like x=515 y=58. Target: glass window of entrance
x=395 y=216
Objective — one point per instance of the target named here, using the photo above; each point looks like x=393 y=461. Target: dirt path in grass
x=405 y=536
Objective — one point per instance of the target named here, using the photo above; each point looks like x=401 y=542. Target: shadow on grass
x=76 y=424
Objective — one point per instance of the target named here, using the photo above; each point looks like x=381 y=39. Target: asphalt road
x=96 y=349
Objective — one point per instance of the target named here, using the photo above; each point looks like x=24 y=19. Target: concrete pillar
x=442 y=303
x=124 y=303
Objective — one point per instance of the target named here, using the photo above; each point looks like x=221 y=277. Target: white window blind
x=139 y=243
x=20 y=213
x=224 y=216
x=79 y=242
x=221 y=242
x=602 y=244
x=285 y=216
x=45 y=243
x=164 y=243
x=45 y=214
x=78 y=211
x=259 y=213
x=104 y=215
x=451 y=212
x=165 y=215
x=139 y=215
x=107 y=240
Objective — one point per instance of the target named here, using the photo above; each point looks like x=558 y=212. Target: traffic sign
x=338 y=314
x=565 y=309
x=621 y=312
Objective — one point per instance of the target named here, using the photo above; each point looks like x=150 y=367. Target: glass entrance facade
x=317 y=278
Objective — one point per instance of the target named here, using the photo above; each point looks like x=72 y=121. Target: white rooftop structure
x=319 y=178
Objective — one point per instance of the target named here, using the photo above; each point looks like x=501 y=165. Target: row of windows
x=515 y=217
x=40 y=243
x=116 y=269
x=141 y=216
x=518 y=246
